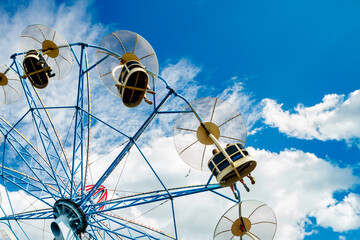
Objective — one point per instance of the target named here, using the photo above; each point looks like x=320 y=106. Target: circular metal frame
x=51 y=174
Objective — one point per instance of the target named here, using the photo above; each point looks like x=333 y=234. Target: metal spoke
x=105 y=74
x=149 y=55
x=186 y=129
x=65 y=59
x=232 y=138
x=41 y=31
x=3 y=88
x=135 y=45
x=119 y=42
x=13 y=89
x=229 y=120
x=213 y=111
x=203 y=155
x=256 y=209
x=188 y=147
x=59 y=72
x=53 y=36
x=32 y=38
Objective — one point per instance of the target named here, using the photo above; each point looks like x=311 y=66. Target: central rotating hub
x=70 y=219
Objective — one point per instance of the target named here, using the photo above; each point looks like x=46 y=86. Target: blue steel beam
x=125 y=150
x=38 y=173
x=106 y=230
x=123 y=225
x=78 y=150
x=29 y=154
x=146 y=198
x=33 y=188
x=31 y=215
x=49 y=147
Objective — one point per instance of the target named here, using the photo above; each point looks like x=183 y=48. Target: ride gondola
x=132 y=82
x=37 y=69
x=47 y=55
x=227 y=173
x=129 y=67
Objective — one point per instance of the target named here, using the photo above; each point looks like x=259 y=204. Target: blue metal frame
x=49 y=175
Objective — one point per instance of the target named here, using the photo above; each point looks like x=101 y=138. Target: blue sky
x=292 y=68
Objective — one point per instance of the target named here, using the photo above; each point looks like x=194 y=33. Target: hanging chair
x=36 y=69
x=222 y=169
x=132 y=82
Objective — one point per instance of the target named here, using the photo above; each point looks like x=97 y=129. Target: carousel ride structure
x=54 y=173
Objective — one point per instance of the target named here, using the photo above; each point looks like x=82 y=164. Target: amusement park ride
x=54 y=173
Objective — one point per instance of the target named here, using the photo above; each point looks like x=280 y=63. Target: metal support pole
x=78 y=148
x=43 y=133
x=173 y=212
x=125 y=150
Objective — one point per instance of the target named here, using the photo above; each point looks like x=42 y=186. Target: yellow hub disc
x=50 y=48
x=129 y=56
x=203 y=137
x=238 y=229
x=3 y=80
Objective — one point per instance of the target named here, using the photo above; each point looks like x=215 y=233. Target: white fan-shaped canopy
x=6 y=235
x=52 y=46
x=10 y=85
x=249 y=220
x=220 y=117
x=129 y=46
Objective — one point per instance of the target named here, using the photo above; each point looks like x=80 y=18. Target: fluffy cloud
x=296 y=185
x=335 y=118
x=341 y=216
x=244 y=102
x=73 y=22
x=181 y=74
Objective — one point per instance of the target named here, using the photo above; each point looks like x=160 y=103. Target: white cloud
x=181 y=74
x=335 y=118
x=73 y=22
x=244 y=102
x=341 y=216
x=296 y=184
